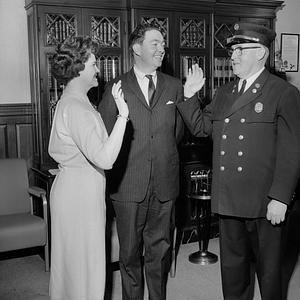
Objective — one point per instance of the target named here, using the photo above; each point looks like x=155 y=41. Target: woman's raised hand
x=119 y=99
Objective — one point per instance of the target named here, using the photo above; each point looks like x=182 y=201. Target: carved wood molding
x=118 y=4
x=202 y=5
x=16 y=131
x=154 y=4
x=10 y=110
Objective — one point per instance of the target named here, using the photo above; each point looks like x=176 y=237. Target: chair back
x=14 y=197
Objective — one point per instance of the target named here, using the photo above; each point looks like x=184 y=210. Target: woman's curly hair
x=70 y=56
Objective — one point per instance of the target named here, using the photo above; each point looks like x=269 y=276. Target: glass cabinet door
x=192 y=45
x=55 y=25
x=106 y=27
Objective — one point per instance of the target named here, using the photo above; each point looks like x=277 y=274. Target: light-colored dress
x=77 y=200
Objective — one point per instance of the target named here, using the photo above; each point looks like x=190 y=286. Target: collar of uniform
x=250 y=80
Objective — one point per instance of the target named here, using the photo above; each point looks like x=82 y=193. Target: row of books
x=188 y=61
x=223 y=68
x=109 y=67
x=222 y=71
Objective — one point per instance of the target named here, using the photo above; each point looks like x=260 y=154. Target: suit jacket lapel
x=251 y=94
x=135 y=88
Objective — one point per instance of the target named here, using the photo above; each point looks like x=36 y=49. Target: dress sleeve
x=89 y=135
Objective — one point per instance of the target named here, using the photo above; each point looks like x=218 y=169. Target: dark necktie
x=151 y=89
x=241 y=91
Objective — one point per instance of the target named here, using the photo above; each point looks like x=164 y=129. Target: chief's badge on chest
x=258 y=107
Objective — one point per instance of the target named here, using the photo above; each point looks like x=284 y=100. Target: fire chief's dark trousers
x=246 y=246
x=146 y=223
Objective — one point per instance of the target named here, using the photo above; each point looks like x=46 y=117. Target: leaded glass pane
x=192 y=33
x=59 y=27
x=106 y=30
x=161 y=23
x=222 y=32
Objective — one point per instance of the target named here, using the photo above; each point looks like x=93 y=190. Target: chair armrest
x=40 y=194
x=36 y=191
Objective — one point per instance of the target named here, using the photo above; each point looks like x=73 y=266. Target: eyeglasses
x=239 y=50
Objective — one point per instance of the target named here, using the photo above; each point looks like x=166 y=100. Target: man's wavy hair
x=70 y=56
x=138 y=34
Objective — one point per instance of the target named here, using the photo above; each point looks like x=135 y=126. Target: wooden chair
x=19 y=227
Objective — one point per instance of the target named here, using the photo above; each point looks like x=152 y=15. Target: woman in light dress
x=80 y=145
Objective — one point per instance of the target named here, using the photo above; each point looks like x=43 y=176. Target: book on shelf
x=222 y=71
x=108 y=67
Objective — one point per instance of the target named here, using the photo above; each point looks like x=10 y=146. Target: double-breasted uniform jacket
x=150 y=142
x=256 y=144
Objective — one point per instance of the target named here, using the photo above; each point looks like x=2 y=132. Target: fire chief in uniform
x=255 y=125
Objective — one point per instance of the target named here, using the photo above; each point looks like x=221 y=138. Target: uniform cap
x=251 y=33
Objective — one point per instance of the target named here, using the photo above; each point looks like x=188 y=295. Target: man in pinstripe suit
x=144 y=182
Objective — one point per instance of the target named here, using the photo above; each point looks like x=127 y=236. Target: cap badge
x=258 y=107
x=236 y=27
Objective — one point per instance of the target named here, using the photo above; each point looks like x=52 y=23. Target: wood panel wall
x=16 y=132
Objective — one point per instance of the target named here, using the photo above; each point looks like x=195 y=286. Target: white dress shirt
x=143 y=81
x=250 y=80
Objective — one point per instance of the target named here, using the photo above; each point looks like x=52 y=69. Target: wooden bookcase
x=195 y=31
